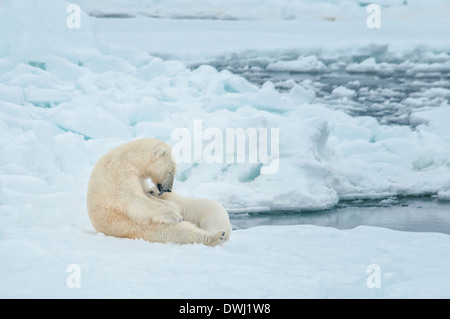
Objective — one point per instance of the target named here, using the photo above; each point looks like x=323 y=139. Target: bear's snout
x=164 y=188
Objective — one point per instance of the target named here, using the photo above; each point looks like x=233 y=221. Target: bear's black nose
x=160 y=189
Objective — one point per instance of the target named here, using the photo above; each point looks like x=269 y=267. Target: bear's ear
x=160 y=151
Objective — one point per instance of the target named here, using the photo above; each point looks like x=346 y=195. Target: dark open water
x=418 y=214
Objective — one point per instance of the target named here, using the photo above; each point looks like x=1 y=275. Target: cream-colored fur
x=202 y=212
x=118 y=202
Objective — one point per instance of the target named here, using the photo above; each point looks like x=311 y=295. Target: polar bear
x=202 y=212
x=118 y=198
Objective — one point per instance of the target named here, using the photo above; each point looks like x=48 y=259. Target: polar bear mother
x=121 y=204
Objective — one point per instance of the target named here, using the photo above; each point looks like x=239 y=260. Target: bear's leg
x=212 y=218
x=218 y=221
x=181 y=233
x=144 y=210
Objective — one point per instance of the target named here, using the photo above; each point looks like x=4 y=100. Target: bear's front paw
x=169 y=216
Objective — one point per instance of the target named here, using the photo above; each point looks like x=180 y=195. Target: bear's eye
x=170 y=173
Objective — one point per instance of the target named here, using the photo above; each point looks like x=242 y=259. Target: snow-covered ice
x=261 y=262
x=69 y=95
x=302 y=64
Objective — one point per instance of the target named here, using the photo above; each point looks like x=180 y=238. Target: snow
x=335 y=10
x=314 y=262
x=302 y=64
x=67 y=96
x=342 y=91
x=198 y=41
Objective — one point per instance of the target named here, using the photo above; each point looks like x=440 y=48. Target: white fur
x=202 y=212
x=118 y=201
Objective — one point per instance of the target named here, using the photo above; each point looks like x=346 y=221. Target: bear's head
x=162 y=169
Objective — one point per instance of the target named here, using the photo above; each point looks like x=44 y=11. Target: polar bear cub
x=202 y=212
x=119 y=202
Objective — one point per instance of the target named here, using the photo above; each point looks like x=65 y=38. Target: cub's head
x=162 y=169
x=153 y=191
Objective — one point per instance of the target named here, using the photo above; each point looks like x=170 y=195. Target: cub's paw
x=168 y=216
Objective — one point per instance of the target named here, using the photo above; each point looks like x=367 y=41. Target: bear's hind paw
x=217 y=239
